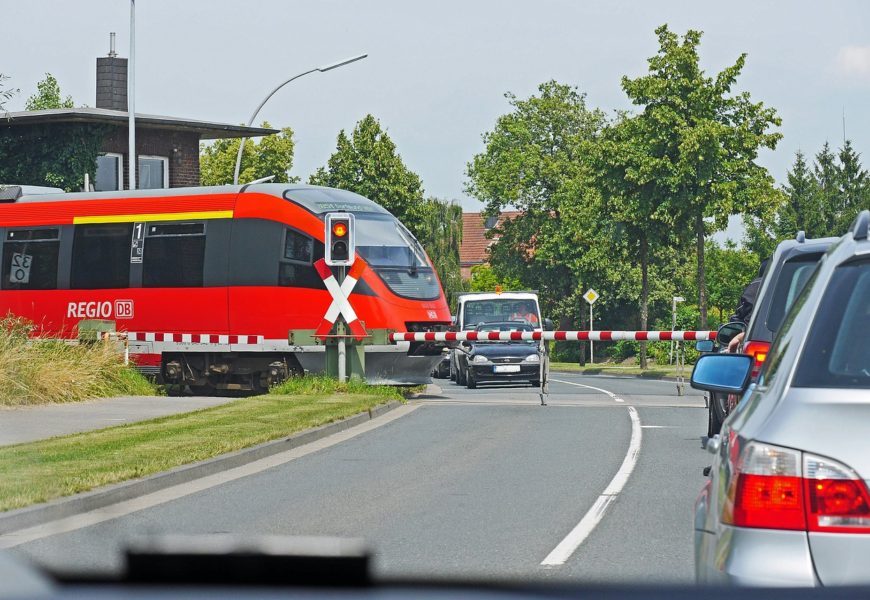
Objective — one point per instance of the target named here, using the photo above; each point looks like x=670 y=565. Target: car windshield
x=498 y=310
x=510 y=326
x=837 y=351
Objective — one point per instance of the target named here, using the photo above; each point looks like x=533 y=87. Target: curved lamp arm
x=322 y=69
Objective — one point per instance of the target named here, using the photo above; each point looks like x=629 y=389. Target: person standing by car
x=747 y=303
x=524 y=312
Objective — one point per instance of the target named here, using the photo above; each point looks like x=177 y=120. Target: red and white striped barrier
x=557 y=336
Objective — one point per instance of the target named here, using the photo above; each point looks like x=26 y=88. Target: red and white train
x=209 y=281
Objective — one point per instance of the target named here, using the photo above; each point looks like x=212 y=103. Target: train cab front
x=397 y=289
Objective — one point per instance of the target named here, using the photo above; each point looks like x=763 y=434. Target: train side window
x=101 y=256
x=30 y=259
x=297 y=268
x=174 y=255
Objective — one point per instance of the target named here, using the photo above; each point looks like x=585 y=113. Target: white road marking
x=658 y=427
x=613 y=396
x=107 y=513
x=593 y=517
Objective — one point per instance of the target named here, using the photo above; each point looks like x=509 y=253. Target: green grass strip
x=655 y=372
x=40 y=471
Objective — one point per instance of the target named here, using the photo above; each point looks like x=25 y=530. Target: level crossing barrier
x=541 y=336
x=551 y=336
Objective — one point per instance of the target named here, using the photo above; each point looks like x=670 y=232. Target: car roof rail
x=801 y=236
x=860 y=226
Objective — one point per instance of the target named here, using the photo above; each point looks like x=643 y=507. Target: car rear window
x=791 y=280
x=837 y=351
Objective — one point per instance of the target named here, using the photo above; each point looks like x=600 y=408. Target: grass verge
x=40 y=471
x=655 y=372
x=35 y=371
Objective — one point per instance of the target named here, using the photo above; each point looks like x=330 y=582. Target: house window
x=110 y=174
x=491 y=222
x=153 y=172
x=30 y=259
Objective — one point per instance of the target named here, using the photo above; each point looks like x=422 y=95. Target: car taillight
x=837 y=499
x=776 y=488
x=758 y=351
x=766 y=489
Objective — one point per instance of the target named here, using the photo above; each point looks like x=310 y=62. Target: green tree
x=367 y=163
x=700 y=143
x=827 y=177
x=273 y=155
x=853 y=189
x=731 y=269
x=55 y=155
x=440 y=232
x=484 y=279
x=532 y=162
x=6 y=94
x=48 y=96
x=801 y=210
x=638 y=212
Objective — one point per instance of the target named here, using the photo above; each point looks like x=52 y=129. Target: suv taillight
x=837 y=499
x=766 y=490
x=777 y=488
x=758 y=351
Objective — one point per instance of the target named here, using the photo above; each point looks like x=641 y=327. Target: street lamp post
x=322 y=69
x=674 y=325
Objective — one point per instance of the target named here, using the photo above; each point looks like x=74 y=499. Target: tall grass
x=40 y=371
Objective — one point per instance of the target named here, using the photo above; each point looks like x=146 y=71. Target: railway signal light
x=339 y=237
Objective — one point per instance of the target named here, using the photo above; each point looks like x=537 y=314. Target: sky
x=437 y=71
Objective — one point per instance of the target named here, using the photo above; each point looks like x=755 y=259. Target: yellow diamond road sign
x=590 y=296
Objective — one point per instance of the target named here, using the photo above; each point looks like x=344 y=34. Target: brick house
x=167 y=148
x=474 y=249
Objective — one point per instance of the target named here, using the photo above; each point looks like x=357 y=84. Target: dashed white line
x=590 y=520
x=613 y=396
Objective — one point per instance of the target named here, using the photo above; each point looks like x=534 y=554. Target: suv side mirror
x=728 y=331
x=704 y=346
x=548 y=325
x=725 y=373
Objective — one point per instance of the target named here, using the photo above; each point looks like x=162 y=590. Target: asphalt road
x=471 y=483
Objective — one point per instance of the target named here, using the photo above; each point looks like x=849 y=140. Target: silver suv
x=787 y=501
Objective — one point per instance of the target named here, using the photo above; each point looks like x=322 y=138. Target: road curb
x=30 y=516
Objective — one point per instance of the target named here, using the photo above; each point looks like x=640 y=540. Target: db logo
x=100 y=310
x=123 y=309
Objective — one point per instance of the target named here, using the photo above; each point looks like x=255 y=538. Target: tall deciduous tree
x=273 y=155
x=367 y=163
x=48 y=96
x=701 y=142
x=533 y=163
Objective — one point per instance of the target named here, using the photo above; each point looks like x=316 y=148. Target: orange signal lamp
x=339 y=229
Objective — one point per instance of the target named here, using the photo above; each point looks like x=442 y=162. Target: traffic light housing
x=340 y=248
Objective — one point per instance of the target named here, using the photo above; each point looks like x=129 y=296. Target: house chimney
x=112 y=79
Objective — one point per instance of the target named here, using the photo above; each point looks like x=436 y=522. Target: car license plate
x=506 y=368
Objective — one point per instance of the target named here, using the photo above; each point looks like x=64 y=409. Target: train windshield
x=384 y=242
x=396 y=256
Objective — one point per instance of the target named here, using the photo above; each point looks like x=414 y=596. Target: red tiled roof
x=475 y=244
